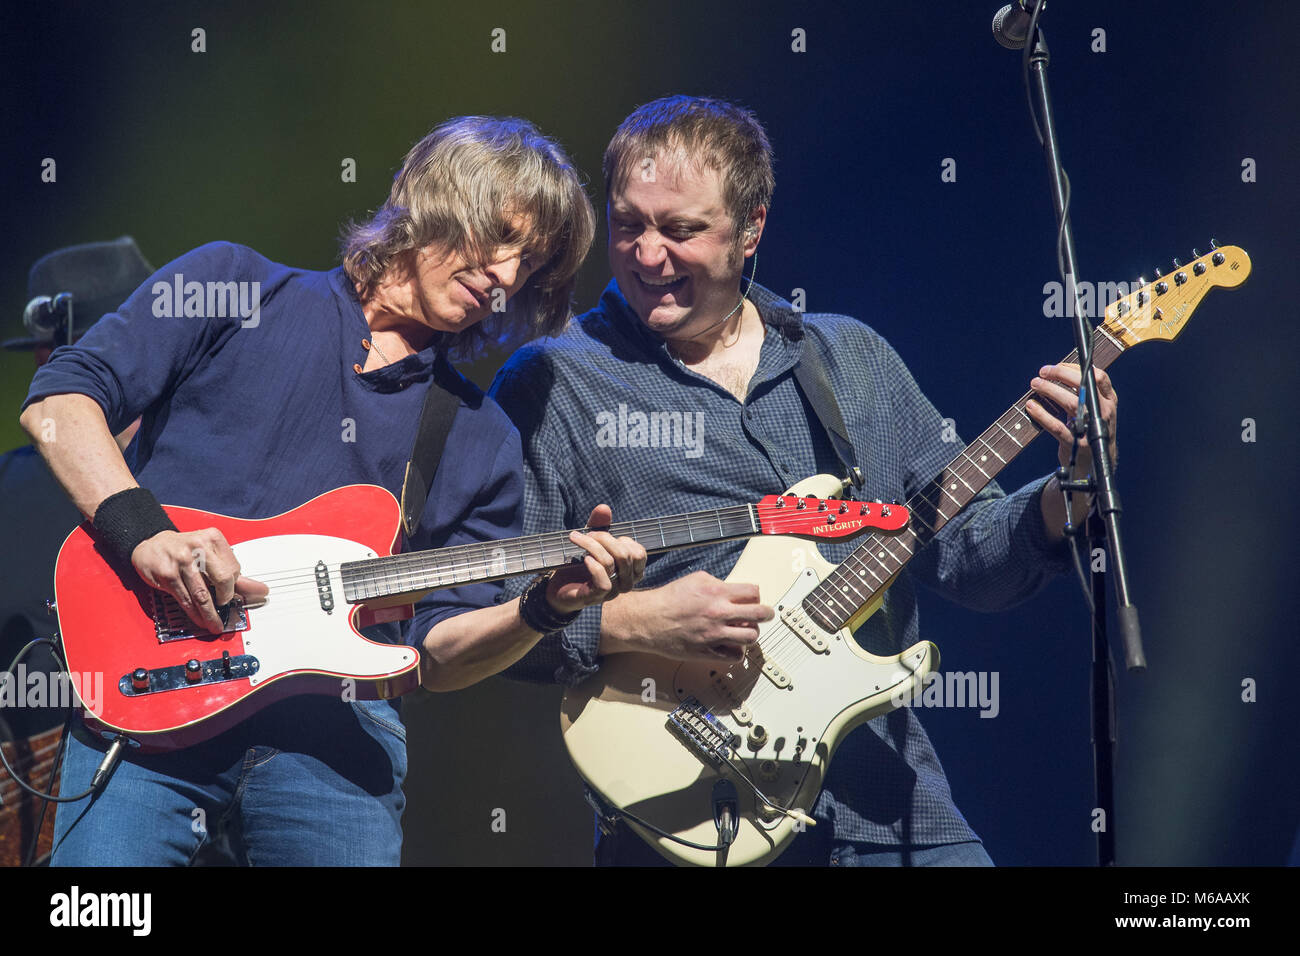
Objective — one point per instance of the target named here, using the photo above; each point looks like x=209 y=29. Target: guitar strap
x=436 y=416
x=813 y=378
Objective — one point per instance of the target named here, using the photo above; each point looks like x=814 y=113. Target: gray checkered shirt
x=885 y=784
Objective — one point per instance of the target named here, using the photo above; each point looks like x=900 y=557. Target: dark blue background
x=244 y=142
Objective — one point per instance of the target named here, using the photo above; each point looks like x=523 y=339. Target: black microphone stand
x=1103 y=525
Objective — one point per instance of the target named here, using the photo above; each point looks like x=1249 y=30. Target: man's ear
x=753 y=230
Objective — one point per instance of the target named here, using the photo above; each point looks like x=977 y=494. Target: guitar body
x=624 y=746
x=303 y=639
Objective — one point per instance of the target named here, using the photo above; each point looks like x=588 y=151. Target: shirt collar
x=418 y=367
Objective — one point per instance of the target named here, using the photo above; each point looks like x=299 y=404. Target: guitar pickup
x=777 y=676
x=805 y=629
x=323 y=590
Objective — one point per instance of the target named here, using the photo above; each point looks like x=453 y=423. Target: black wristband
x=125 y=519
x=537 y=612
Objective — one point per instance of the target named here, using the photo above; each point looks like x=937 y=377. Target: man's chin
x=664 y=319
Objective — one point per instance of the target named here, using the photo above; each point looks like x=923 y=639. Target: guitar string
x=420 y=562
x=785 y=653
x=531 y=546
x=785 y=650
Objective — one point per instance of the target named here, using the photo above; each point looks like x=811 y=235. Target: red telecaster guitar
x=330 y=570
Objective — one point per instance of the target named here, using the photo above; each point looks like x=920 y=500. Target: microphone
x=1011 y=23
x=44 y=314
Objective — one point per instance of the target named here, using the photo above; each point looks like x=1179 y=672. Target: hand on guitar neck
x=1059 y=385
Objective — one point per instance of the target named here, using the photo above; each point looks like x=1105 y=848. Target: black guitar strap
x=436 y=416
x=813 y=378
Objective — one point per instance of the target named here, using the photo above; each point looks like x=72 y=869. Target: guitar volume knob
x=140 y=679
x=193 y=671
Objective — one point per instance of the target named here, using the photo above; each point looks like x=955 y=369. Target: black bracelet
x=125 y=519
x=537 y=612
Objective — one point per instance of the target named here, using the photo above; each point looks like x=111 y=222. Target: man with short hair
x=689 y=184
x=293 y=384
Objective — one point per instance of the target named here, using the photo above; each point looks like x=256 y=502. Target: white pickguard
x=291 y=632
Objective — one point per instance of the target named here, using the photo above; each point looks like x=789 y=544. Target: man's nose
x=649 y=249
x=504 y=271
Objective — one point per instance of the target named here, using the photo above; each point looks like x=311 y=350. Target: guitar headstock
x=820 y=518
x=1159 y=309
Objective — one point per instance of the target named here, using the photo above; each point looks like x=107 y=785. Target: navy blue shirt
x=886 y=784
x=252 y=413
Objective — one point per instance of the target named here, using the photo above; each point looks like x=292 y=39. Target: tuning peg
x=1195 y=254
x=1158 y=273
x=1142 y=281
x=1213 y=244
x=1177 y=264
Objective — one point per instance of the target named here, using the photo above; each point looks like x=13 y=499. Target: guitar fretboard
x=421 y=571
x=864 y=573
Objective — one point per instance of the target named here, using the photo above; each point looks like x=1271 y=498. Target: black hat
x=99 y=276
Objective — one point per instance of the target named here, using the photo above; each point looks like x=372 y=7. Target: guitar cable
x=105 y=768
x=1073 y=533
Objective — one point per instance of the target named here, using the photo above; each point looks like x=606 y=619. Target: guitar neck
x=416 y=573
x=866 y=572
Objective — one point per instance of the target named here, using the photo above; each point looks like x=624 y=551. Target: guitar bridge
x=171 y=623
x=701 y=731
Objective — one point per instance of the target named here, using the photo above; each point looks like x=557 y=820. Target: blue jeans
x=811 y=848
x=309 y=781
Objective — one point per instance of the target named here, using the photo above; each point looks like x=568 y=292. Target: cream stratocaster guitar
x=329 y=569
x=669 y=741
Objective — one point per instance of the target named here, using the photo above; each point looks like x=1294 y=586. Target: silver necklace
x=743 y=296
x=380 y=352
